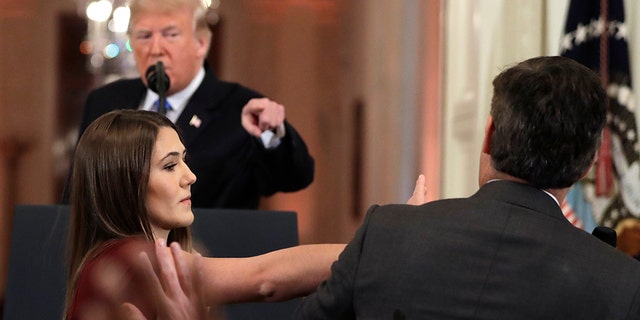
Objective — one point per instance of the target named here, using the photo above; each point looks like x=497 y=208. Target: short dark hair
x=548 y=114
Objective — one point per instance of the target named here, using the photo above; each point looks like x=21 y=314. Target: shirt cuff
x=270 y=139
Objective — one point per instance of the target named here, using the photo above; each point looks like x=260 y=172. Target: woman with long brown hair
x=130 y=187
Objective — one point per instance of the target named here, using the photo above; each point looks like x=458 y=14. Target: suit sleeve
x=334 y=298
x=288 y=167
x=87 y=116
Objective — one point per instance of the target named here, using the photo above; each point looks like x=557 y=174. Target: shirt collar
x=545 y=191
x=177 y=100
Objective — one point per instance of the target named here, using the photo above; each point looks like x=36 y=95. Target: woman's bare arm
x=275 y=276
x=278 y=275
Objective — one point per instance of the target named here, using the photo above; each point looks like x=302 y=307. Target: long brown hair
x=109 y=182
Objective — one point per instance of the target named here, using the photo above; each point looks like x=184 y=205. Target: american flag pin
x=195 y=121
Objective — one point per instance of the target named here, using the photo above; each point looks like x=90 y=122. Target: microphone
x=606 y=234
x=159 y=82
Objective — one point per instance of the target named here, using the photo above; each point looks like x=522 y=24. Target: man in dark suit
x=239 y=144
x=506 y=252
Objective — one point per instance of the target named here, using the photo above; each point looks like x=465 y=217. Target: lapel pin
x=195 y=121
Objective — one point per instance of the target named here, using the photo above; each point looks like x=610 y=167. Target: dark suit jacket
x=506 y=252
x=233 y=168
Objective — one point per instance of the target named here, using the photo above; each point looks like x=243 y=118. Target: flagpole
x=604 y=169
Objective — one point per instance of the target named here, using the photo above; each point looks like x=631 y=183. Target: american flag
x=612 y=188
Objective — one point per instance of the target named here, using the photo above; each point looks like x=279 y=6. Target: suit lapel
x=199 y=111
x=122 y=94
x=130 y=96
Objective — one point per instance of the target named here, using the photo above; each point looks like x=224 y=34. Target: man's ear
x=593 y=163
x=203 y=42
x=488 y=135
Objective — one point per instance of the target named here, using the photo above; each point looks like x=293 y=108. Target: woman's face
x=169 y=189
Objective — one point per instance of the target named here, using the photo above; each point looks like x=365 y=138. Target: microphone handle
x=161 y=87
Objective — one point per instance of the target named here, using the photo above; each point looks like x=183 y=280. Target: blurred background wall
x=380 y=90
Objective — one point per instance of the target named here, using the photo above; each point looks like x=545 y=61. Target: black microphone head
x=157 y=79
x=606 y=234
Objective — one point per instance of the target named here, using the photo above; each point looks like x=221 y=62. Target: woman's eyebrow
x=171 y=154
x=174 y=154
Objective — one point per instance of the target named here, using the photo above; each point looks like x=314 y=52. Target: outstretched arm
x=274 y=276
x=278 y=275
